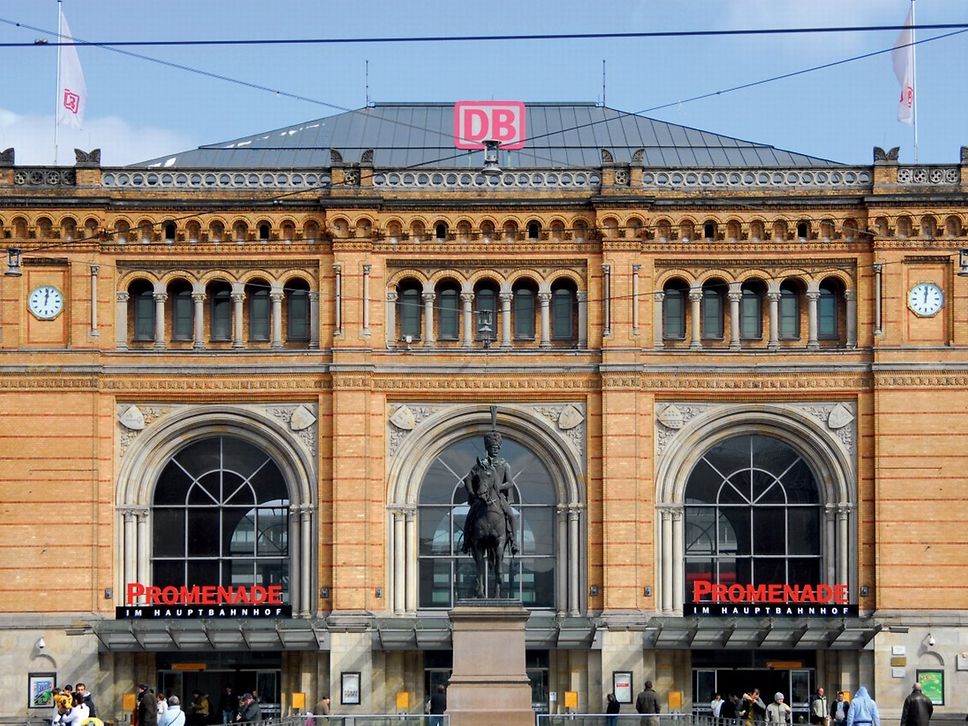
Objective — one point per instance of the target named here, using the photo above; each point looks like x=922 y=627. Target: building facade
x=269 y=363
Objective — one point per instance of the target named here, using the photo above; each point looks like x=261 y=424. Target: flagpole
x=60 y=15
x=914 y=75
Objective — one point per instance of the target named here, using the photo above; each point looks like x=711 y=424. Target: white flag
x=903 y=57
x=72 y=94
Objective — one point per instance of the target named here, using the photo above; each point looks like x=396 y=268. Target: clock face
x=46 y=302
x=925 y=299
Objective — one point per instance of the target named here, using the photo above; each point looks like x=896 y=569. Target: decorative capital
x=774 y=295
x=582 y=296
x=850 y=295
x=161 y=296
x=544 y=297
x=636 y=268
x=813 y=294
x=95 y=269
x=392 y=296
x=123 y=297
x=367 y=268
x=198 y=297
x=695 y=294
x=428 y=297
x=464 y=297
x=237 y=297
x=878 y=267
x=658 y=296
x=314 y=297
x=337 y=268
x=606 y=269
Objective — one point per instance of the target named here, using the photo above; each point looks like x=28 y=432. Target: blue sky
x=138 y=110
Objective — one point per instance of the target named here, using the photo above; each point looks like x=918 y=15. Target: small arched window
x=410 y=309
x=258 y=294
x=789 y=311
x=264 y=230
x=448 y=304
x=674 y=310
x=711 y=311
x=534 y=231
x=220 y=297
x=524 y=312
x=803 y=230
x=169 y=230
x=143 y=296
x=440 y=231
x=709 y=230
x=180 y=294
x=297 y=310
x=751 y=312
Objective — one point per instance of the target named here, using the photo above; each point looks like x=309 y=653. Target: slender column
x=658 y=300
x=574 y=571
x=812 y=297
x=635 y=298
x=94 y=270
x=366 y=299
x=391 y=318
x=399 y=560
x=830 y=543
x=411 y=559
x=160 y=298
x=544 y=299
x=275 y=295
x=582 y=296
x=198 y=320
x=505 y=319
x=306 y=568
x=678 y=563
x=428 y=301
x=121 y=320
x=843 y=520
x=141 y=514
x=878 y=281
x=561 y=524
x=695 y=314
x=130 y=547
x=467 y=300
x=314 y=320
x=338 y=299
x=295 y=539
x=238 y=296
x=607 y=300
x=774 y=298
x=667 y=564
x=735 y=294
x=851 y=297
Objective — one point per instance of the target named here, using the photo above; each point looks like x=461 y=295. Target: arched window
x=534 y=231
x=751 y=312
x=297 y=310
x=789 y=311
x=711 y=311
x=485 y=303
x=440 y=231
x=523 y=313
x=409 y=311
x=445 y=572
x=182 y=313
x=143 y=297
x=220 y=295
x=752 y=516
x=448 y=306
x=674 y=310
x=828 y=310
x=220 y=516
x=562 y=313
x=257 y=293
x=169 y=230
x=264 y=230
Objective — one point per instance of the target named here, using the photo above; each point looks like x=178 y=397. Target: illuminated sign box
x=215 y=602
x=478 y=121
x=772 y=600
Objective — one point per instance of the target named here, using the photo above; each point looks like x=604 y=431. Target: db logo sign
x=478 y=121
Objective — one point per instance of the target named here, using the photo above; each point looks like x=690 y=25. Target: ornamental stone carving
x=132 y=418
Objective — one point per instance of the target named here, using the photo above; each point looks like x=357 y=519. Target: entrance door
x=795 y=685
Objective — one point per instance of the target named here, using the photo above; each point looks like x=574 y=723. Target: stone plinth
x=489 y=684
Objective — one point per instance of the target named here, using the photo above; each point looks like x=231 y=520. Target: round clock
x=925 y=299
x=46 y=302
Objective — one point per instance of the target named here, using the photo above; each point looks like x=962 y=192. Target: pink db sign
x=478 y=121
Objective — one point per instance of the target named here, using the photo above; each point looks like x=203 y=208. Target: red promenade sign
x=776 y=599
x=203 y=601
x=478 y=121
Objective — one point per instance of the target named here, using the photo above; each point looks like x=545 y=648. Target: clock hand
x=46 y=295
x=925 y=296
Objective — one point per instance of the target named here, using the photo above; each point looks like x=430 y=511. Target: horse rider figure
x=489 y=478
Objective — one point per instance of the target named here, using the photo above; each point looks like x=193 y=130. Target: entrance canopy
x=156 y=635
x=802 y=634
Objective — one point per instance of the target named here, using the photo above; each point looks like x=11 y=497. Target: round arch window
x=220 y=516
x=752 y=516
x=446 y=573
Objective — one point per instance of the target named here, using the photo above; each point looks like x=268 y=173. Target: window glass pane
x=751 y=315
x=673 y=315
x=789 y=315
x=409 y=308
x=700 y=530
x=486 y=303
x=771 y=454
x=239 y=528
x=242 y=573
x=273 y=572
x=769 y=570
x=704 y=483
x=733 y=530
x=168 y=572
x=804 y=571
x=144 y=316
x=221 y=315
x=206 y=490
x=712 y=314
x=435 y=533
x=698 y=568
x=203 y=532
x=259 y=315
x=804 y=523
x=827 y=314
x=182 y=315
x=536 y=581
x=172 y=485
x=799 y=484
x=204 y=572
x=769 y=531
x=536 y=530
x=524 y=314
x=273 y=531
x=169 y=532
x=561 y=314
x=449 y=313
x=297 y=313
x=435 y=578
x=200 y=457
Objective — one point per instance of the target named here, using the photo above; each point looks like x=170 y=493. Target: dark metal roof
x=421 y=135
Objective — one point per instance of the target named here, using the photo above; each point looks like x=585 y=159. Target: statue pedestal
x=489 y=684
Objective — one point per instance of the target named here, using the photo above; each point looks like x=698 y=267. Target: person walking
x=819 y=712
x=863 y=710
x=323 y=706
x=438 y=705
x=647 y=703
x=612 y=707
x=81 y=692
x=752 y=709
x=839 y=709
x=147 y=706
x=228 y=705
x=778 y=712
x=173 y=715
x=917 y=709
x=249 y=709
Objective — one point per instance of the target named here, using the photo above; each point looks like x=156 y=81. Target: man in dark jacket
x=147 y=706
x=917 y=708
x=249 y=709
x=81 y=692
x=648 y=700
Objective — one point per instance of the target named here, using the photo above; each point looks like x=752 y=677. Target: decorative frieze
x=41 y=177
x=120 y=179
x=929 y=175
x=845 y=177
x=473 y=180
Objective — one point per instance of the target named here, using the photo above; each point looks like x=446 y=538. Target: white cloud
x=32 y=137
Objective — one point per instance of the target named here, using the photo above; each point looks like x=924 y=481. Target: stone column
x=505 y=298
x=843 y=539
x=667 y=564
x=544 y=299
x=635 y=298
x=830 y=543
x=143 y=568
x=467 y=300
x=238 y=296
x=735 y=294
x=607 y=300
x=695 y=317
x=306 y=565
x=412 y=545
x=338 y=300
x=121 y=320
x=160 y=298
x=314 y=320
x=574 y=578
x=812 y=297
x=94 y=271
x=366 y=299
x=582 y=296
x=774 y=298
x=275 y=296
x=878 y=273
x=198 y=319
x=561 y=526
x=658 y=300
x=399 y=559
x=428 y=302
x=678 y=561
x=851 y=297
x=130 y=548
x=391 y=319
x=295 y=540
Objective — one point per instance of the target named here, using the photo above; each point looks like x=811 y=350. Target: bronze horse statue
x=489 y=526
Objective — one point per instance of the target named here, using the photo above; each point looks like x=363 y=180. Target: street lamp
x=13 y=263
x=963 y=263
x=490 y=158
x=484 y=329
